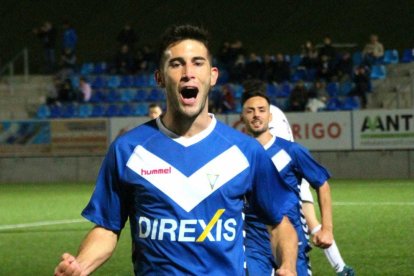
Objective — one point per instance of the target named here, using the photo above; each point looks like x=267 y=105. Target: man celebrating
x=293 y=162
x=182 y=180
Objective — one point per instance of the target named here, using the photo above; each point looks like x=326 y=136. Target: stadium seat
x=126 y=110
x=43 y=112
x=141 y=95
x=345 y=88
x=98 y=110
x=333 y=104
x=98 y=83
x=55 y=111
x=391 y=56
x=113 y=81
x=69 y=111
x=84 y=110
x=112 y=110
x=407 y=56
x=357 y=58
x=127 y=95
x=351 y=103
x=86 y=68
x=332 y=88
x=295 y=61
x=126 y=82
x=284 y=90
x=156 y=95
x=97 y=96
x=100 y=68
x=112 y=96
x=141 y=109
x=378 y=72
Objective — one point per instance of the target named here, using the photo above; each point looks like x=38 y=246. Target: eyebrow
x=181 y=60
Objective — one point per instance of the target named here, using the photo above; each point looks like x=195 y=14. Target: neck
x=186 y=126
x=264 y=137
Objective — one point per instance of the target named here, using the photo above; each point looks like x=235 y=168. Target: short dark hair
x=254 y=88
x=177 y=33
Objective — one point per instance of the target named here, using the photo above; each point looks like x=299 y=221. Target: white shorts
x=305 y=193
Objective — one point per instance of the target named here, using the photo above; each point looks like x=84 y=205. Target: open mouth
x=189 y=92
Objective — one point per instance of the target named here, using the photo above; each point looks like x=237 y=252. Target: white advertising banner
x=384 y=129
x=322 y=130
x=316 y=131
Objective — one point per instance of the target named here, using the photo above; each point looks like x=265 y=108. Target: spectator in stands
x=298 y=97
x=315 y=103
x=68 y=62
x=70 y=37
x=310 y=55
x=373 y=51
x=227 y=103
x=328 y=49
x=325 y=68
x=47 y=33
x=361 y=85
x=66 y=92
x=154 y=110
x=85 y=90
x=282 y=69
x=224 y=55
x=127 y=36
x=123 y=61
x=52 y=91
x=254 y=67
x=148 y=55
x=344 y=67
x=237 y=69
x=268 y=69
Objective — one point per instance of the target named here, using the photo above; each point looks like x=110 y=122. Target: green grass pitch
x=373 y=227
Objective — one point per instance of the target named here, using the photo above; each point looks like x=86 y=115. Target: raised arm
x=96 y=248
x=324 y=238
x=284 y=242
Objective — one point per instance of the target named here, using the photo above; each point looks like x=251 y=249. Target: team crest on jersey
x=188 y=191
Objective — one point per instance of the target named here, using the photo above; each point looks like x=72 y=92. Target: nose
x=188 y=72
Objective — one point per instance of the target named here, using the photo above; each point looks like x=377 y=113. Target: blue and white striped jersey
x=184 y=197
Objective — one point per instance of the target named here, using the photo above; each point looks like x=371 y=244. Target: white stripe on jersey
x=195 y=188
x=281 y=160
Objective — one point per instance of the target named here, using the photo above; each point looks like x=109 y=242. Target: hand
x=323 y=238
x=284 y=272
x=69 y=266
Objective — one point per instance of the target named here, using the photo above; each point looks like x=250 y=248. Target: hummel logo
x=156 y=171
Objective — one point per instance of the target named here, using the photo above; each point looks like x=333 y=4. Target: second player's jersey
x=184 y=197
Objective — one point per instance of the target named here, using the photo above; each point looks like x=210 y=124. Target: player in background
x=154 y=110
x=182 y=179
x=279 y=127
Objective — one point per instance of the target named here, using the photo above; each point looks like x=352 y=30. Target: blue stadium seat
x=100 y=68
x=112 y=96
x=55 y=111
x=98 y=83
x=333 y=104
x=43 y=112
x=127 y=95
x=332 y=88
x=272 y=90
x=351 y=103
x=295 y=60
x=126 y=82
x=126 y=110
x=391 y=56
x=141 y=109
x=284 y=90
x=378 y=72
x=113 y=81
x=357 y=58
x=345 y=87
x=69 y=111
x=98 y=110
x=84 y=110
x=141 y=95
x=112 y=110
x=98 y=96
x=86 y=68
x=407 y=56
x=156 y=95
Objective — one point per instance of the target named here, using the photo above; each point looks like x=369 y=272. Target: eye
x=175 y=64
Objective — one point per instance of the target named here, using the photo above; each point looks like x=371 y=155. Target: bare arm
x=96 y=248
x=324 y=238
x=284 y=246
